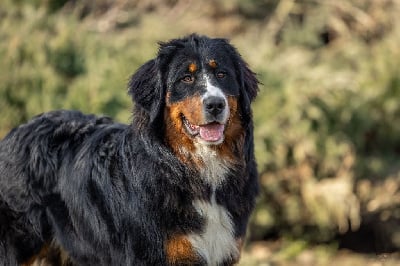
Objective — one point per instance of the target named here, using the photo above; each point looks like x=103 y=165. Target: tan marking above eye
x=212 y=63
x=192 y=68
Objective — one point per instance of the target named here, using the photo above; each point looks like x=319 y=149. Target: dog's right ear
x=145 y=87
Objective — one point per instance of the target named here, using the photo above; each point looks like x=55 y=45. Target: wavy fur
x=78 y=189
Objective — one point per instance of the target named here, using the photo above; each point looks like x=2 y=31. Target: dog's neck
x=214 y=168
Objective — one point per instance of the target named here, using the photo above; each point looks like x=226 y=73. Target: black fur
x=108 y=193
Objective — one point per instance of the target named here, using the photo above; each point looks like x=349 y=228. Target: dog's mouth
x=211 y=133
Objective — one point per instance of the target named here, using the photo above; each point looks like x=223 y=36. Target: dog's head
x=197 y=90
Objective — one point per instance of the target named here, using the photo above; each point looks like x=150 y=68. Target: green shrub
x=328 y=139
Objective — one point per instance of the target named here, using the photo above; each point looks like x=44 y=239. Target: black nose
x=214 y=105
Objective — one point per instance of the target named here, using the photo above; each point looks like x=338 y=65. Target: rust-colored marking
x=231 y=148
x=192 y=68
x=49 y=254
x=212 y=63
x=42 y=254
x=180 y=251
x=175 y=134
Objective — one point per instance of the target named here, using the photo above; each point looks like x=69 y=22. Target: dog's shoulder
x=32 y=154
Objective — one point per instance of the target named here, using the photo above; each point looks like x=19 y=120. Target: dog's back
x=31 y=158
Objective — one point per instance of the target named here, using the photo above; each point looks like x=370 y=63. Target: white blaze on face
x=212 y=90
x=213 y=133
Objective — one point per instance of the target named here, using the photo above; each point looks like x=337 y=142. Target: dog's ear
x=145 y=87
x=248 y=85
x=249 y=81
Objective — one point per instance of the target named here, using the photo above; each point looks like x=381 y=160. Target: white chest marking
x=216 y=243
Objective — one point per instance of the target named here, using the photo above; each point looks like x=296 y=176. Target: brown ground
x=298 y=254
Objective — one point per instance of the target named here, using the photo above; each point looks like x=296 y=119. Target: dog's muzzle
x=214 y=108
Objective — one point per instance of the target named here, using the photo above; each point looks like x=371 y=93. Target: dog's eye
x=188 y=79
x=220 y=75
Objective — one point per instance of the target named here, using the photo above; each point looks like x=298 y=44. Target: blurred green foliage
x=327 y=120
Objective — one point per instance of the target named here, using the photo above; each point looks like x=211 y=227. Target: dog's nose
x=214 y=105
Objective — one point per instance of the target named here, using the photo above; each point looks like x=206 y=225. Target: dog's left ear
x=249 y=80
x=248 y=86
x=145 y=87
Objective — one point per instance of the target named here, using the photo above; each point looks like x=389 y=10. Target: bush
x=328 y=140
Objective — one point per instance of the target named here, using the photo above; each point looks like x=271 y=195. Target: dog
x=174 y=187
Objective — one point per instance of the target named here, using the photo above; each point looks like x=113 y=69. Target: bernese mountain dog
x=175 y=187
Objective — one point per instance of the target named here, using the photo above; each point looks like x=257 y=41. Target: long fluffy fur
x=78 y=189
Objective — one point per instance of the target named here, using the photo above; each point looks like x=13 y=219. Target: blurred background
x=327 y=119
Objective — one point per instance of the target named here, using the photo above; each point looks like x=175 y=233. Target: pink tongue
x=212 y=132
